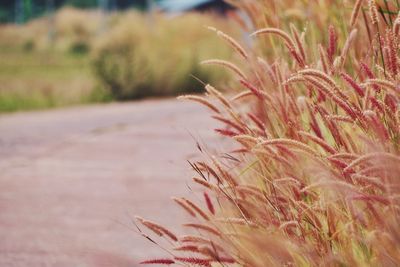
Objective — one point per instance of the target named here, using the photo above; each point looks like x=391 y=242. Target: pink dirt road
x=70 y=179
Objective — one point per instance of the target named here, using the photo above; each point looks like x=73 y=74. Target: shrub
x=75 y=29
x=315 y=178
x=79 y=47
x=143 y=56
x=28 y=46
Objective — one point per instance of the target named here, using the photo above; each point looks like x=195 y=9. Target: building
x=176 y=6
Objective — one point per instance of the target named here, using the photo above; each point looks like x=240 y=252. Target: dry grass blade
x=212 y=91
x=158 y=229
x=205 y=183
x=278 y=32
x=379 y=156
x=383 y=83
x=299 y=44
x=241 y=95
x=355 y=12
x=291 y=143
x=201 y=100
x=232 y=42
x=197 y=209
x=319 y=141
x=373 y=12
x=184 y=205
x=159 y=261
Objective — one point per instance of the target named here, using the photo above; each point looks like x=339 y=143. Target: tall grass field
x=314 y=121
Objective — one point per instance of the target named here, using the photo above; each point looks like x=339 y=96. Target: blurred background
x=67 y=52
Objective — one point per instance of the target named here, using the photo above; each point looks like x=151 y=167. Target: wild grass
x=43 y=79
x=61 y=31
x=39 y=66
x=314 y=180
x=81 y=56
x=157 y=55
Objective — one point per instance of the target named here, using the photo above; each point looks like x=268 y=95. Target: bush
x=28 y=46
x=156 y=56
x=79 y=48
x=314 y=180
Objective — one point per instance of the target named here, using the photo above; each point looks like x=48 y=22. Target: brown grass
x=316 y=181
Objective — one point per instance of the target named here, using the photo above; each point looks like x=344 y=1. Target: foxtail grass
x=316 y=119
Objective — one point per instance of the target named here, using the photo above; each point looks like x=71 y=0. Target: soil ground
x=71 y=179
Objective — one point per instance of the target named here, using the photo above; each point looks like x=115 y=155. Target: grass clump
x=314 y=180
x=153 y=55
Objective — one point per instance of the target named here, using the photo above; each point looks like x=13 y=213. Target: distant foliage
x=143 y=55
x=67 y=29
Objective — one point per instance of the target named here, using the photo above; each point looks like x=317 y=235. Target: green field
x=41 y=79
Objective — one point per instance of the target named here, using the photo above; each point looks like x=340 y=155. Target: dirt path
x=70 y=179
